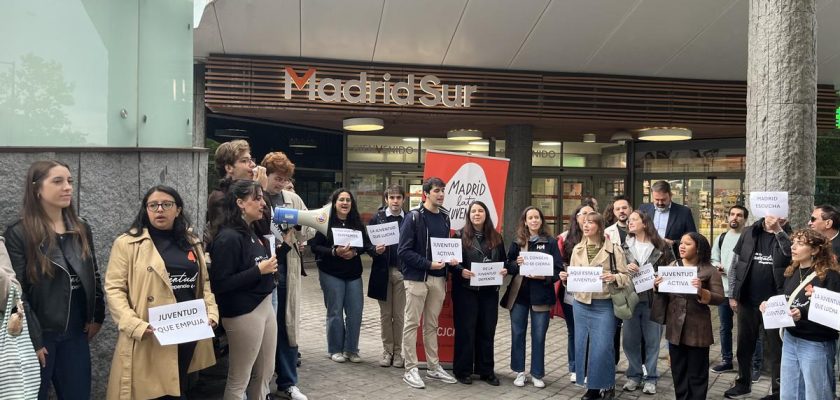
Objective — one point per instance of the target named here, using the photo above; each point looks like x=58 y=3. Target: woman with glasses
x=156 y=262
x=51 y=250
x=242 y=275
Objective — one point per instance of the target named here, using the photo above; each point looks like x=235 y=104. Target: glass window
x=594 y=155
x=477 y=147
x=367 y=188
x=127 y=59
x=702 y=160
x=390 y=149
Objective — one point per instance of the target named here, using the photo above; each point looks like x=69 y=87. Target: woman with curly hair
x=808 y=347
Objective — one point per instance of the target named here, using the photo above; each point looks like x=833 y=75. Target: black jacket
x=378 y=282
x=48 y=299
x=476 y=253
x=541 y=290
x=235 y=275
x=415 y=248
x=680 y=222
x=744 y=249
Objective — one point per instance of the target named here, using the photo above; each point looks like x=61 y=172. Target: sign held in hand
x=677 y=279
x=180 y=322
x=343 y=237
x=486 y=274
x=444 y=250
x=643 y=280
x=773 y=204
x=584 y=279
x=536 y=264
x=384 y=234
x=776 y=313
x=825 y=307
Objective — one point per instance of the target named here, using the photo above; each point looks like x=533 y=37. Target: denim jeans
x=569 y=316
x=344 y=301
x=595 y=323
x=808 y=369
x=68 y=366
x=725 y=313
x=518 y=329
x=637 y=327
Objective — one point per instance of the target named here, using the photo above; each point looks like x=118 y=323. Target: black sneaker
x=722 y=367
x=756 y=376
x=736 y=392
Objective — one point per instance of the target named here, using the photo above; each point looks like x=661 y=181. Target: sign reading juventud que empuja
x=180 y=322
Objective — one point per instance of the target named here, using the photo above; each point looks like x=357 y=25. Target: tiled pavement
x=321 y=378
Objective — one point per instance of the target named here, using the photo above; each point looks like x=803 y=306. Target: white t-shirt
x=641 y=251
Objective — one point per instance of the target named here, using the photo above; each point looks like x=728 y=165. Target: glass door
x=545 y=197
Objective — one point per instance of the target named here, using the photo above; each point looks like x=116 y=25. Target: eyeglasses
x=245 y=160
x=167 y=205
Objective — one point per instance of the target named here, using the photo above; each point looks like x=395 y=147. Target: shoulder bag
x=20 y=374
x=624 y=299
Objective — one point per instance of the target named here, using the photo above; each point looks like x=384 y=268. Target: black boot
x=591 y=394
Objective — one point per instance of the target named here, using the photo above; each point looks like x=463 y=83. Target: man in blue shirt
x=671 y=220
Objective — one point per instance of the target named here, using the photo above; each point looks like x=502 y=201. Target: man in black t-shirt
x=761 y=255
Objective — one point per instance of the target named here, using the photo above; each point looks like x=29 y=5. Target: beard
x=734 y=224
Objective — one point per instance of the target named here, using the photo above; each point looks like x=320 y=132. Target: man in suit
x=671 y=220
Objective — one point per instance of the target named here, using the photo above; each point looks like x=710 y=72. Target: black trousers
x=749 y=328
x=690 y=370
x=476 y=313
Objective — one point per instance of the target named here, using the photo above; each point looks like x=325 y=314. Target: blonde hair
x=228 y=152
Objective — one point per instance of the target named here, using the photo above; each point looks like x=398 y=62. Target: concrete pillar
x=199 y=111
x=781 y=102
x=518 y=144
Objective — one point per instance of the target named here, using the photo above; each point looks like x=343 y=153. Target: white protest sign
x=444 y=250
x=677 y=279
x=272 y=243
x=180 y=322
x=643 y=280
x=486 y=274
x=384 y=234
x=584 y=279
x=825 y=307
x=536 y=264
x=343 y=237
x=776 y=313
x=774 y=204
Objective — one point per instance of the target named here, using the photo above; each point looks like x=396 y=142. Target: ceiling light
x=301 y=143
x=480 y=143
x=363 y=124
x=665 y=134
x=589 y=138
x=621 y=137
x=464 y=134
x=550 y=143
x=412 y=139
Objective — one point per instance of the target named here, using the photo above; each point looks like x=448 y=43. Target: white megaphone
x=318 y=219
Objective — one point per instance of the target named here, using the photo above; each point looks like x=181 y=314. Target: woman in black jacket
x=52 y=253
x=475 y=307
x=340 y=274
x=242 y=278
x=532 y=295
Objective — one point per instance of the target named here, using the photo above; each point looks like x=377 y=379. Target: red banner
x=468 y=178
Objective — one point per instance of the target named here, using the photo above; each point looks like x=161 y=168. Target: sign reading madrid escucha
x=362 y=90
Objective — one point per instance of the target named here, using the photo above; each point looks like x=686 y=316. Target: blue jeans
x=344 y=302
x=595 y=323
x=725 y=313
x=68 y=366
x=569 y=315
x=518 y=329
x=637 y=327
x=808 y=369
x=285 y=360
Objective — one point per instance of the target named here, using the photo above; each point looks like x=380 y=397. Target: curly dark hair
x=823 y=260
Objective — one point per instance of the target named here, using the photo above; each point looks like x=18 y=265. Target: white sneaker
x=630 y=385
x=412 y=378
x=538 y=383
x=386 y=360
x=441 y=375
x=294 y=393
x=353 y=357
x=338 y=357
x=573 y=377
x=649 y=388
x=520 y=380
x=399 y=362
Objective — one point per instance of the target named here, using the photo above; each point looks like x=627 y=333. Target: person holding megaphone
x=340 y=273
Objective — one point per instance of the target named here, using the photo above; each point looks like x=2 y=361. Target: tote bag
x=20 y=373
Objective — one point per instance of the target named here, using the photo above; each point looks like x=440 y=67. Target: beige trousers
x=252 y=339
x=392 y=313
x=422 y=299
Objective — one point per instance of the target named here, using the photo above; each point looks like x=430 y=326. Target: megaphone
x=318 y=219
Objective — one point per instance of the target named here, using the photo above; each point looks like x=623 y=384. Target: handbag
x=20 y=373
x=624 y=299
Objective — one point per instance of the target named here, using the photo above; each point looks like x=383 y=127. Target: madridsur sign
x=365 y=91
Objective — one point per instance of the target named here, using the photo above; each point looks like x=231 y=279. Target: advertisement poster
x=467 y=178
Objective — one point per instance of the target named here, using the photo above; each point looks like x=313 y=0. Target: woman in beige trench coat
x=156 y=262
